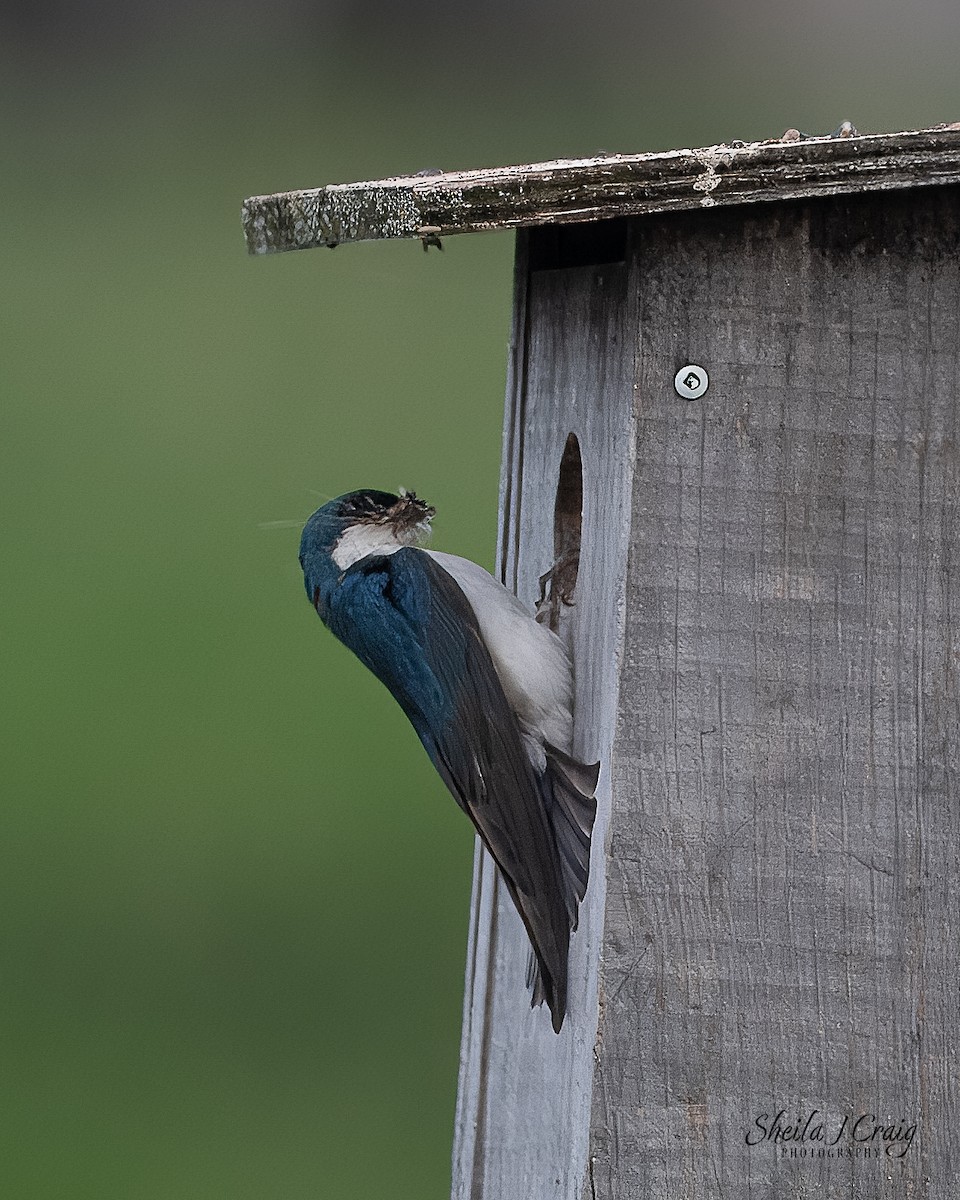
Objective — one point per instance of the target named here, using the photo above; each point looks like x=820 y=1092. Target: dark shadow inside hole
x=560 y=582
x=584 y=244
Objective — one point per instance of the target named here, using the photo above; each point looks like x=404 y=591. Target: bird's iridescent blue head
x=354 y=525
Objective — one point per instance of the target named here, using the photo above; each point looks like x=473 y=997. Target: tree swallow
x=489 y=692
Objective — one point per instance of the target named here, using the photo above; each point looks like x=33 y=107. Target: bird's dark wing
x=411 y=624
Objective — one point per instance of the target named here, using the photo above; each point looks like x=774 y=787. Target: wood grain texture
x=523 y=1112
x=590 y=189
x=784 y=851
x=766 y=642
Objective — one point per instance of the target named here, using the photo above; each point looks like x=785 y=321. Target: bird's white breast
x=530 y=659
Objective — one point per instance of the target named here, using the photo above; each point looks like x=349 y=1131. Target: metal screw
x=691 y=382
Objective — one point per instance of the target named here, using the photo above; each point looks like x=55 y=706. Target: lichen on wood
x=570 y=190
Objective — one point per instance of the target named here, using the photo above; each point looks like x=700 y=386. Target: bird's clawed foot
x=557 y=587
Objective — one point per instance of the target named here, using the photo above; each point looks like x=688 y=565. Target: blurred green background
x=233 y=896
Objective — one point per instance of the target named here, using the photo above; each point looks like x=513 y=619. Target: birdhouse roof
x=430 y=205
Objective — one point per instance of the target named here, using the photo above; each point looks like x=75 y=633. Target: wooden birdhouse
x=733 y=421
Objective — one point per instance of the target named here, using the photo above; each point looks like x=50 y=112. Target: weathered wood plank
x=589 y=189
x=784 y=870
x=766 y=610
x=523 y=1112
